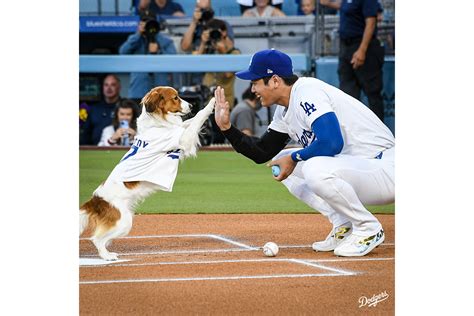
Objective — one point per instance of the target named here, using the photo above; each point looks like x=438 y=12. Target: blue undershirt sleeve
x=328 y=141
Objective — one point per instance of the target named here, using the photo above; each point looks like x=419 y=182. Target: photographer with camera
x=203 y=14
x=147 y=40
x=214 y=40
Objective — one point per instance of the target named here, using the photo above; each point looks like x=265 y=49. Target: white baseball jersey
x=363 y=133
x=154 y=157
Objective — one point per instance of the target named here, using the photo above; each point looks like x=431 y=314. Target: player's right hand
x=222 y=110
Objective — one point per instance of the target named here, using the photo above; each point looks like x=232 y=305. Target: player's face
x=263 y=92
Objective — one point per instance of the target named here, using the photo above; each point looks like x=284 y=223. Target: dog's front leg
x=190 y=137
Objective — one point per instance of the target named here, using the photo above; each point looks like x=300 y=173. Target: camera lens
x=215 y=35
x=152 y=27
x=207 y=14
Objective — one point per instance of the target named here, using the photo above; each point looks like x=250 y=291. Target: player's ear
x=276 y=80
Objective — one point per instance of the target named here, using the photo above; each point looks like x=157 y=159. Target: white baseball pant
x=338 y=187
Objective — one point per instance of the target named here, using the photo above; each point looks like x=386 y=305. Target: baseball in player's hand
x=286 y=164
x=222 y=110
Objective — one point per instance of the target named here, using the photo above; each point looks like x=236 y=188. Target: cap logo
x=269 y=71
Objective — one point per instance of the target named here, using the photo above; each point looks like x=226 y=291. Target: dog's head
x=162 y=101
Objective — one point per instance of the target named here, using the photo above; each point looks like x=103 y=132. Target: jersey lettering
x=308 y=108
x=137 y=144
x=173 y=154
x=307 y=137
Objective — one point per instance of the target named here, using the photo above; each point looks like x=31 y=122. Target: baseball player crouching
x=347 y=154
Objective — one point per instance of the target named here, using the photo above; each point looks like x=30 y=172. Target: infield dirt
x=172 y=273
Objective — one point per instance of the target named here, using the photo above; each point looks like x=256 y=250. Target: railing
x=175 y=63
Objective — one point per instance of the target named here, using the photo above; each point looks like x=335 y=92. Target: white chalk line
x=230 y=241
x=211 y=236
x=236 y=261
x=174 y=252
x=274 y=276
x=319 y=266
x=350 y=259
x=219 y=250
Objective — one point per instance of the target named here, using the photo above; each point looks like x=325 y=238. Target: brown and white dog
x=150 y=165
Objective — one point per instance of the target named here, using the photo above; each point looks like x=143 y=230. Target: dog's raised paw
x=211 y=104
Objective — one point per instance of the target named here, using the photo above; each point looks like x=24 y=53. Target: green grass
x=214 y=182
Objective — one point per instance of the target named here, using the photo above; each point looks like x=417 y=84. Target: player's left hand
x=358 y=59
x=287 y=165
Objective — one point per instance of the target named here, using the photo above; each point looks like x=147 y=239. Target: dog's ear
x=153 y=101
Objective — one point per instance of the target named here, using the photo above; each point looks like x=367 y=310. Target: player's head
x=271 y=74
x=267 y=63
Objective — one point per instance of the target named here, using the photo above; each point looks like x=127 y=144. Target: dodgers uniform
x=363 y=172
x=347 y=154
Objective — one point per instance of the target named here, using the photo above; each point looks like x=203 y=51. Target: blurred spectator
x=214 y=40
x=247 y=4
x=160 y=7
x=113 y=135
x=307 y=7
x=361 y=56
x=263 y=9
x=244 y=115
x=100 y=115
x=191 y=41
x=147 y=40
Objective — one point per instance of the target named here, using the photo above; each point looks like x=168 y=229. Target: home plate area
x=214 y=264
x=200 y=257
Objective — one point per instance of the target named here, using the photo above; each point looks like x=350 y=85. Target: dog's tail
x=83 y=221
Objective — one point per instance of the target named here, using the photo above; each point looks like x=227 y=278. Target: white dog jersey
x=364 y=135
x=154 y=157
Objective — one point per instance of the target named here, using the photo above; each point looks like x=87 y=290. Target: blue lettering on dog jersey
x=308 y=108
x=307 y=137
x=173 y=154
x=137 y=144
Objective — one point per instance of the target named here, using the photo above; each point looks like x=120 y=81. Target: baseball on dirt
x=270 y=249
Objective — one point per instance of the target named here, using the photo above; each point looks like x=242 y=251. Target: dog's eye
x=176 y=97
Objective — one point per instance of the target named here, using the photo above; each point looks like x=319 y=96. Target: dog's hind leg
x=83 y=221
x=102 y=239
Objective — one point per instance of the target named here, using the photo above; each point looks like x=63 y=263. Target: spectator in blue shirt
x=101 y=114
x=361 y=56
x=147 y=41
x=161 y=7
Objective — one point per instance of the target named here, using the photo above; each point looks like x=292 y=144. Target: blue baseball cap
x=267 y=63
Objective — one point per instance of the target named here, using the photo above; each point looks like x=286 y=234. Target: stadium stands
x=125 y=7
x=105 y=24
